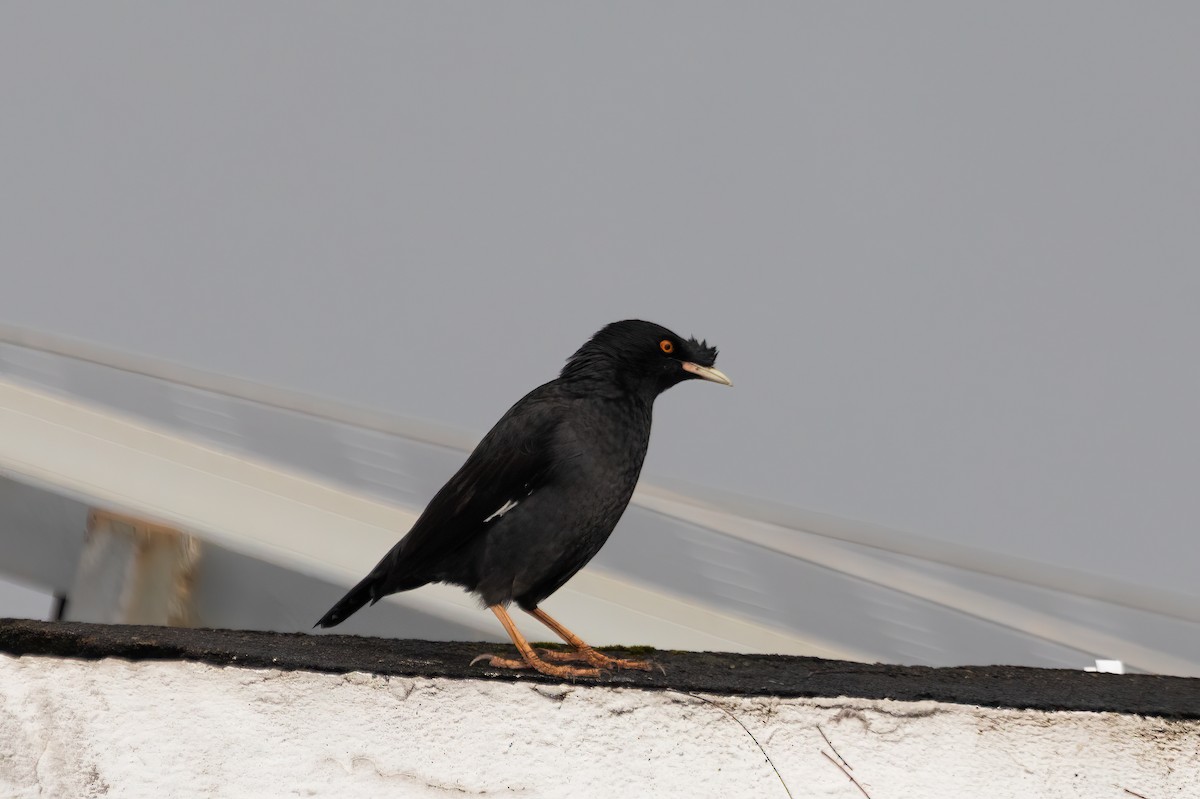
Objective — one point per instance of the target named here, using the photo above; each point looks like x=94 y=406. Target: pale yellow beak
x=707 y=373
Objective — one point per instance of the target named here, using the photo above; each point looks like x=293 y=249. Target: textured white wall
x=72 y=728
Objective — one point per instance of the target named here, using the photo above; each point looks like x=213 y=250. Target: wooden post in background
x=134 y=572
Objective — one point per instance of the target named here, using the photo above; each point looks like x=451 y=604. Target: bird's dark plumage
x=543 y=490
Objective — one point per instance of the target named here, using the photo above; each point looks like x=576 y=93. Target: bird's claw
x=537 y=665
x=600 y=660
x=497 y=662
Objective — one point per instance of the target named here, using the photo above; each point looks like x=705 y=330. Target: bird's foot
x=599 y=659
x=537 y=664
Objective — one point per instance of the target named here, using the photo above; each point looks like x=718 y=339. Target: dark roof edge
x=689 y=672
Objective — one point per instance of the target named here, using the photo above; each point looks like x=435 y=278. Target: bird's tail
x=366 y=591
x=388 y=577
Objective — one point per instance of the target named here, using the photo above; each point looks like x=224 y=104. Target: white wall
x=154 y=729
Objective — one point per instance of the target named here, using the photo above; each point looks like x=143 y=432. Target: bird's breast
x=605 y=447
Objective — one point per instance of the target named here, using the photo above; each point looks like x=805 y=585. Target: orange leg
x=531 y=660
x=582 y=650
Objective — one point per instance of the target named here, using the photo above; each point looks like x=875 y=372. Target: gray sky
x=949 y=253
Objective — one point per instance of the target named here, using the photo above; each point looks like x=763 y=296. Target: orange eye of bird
x=666 y=346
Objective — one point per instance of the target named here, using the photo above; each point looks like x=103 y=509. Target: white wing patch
x=512 y=503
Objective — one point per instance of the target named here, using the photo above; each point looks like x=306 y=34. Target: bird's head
x=643 y=357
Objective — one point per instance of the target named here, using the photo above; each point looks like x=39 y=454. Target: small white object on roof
x=1107 y=667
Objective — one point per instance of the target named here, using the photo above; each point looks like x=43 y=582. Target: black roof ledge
x=697 y=672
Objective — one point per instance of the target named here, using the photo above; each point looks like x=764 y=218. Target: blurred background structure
x=250 y=507
x=270 y=270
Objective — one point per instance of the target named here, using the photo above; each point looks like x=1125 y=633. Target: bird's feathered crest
x=702 y=354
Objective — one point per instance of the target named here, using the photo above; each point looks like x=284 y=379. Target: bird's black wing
x=511 y=462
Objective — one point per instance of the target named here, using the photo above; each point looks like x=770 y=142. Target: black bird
x=541 y=493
